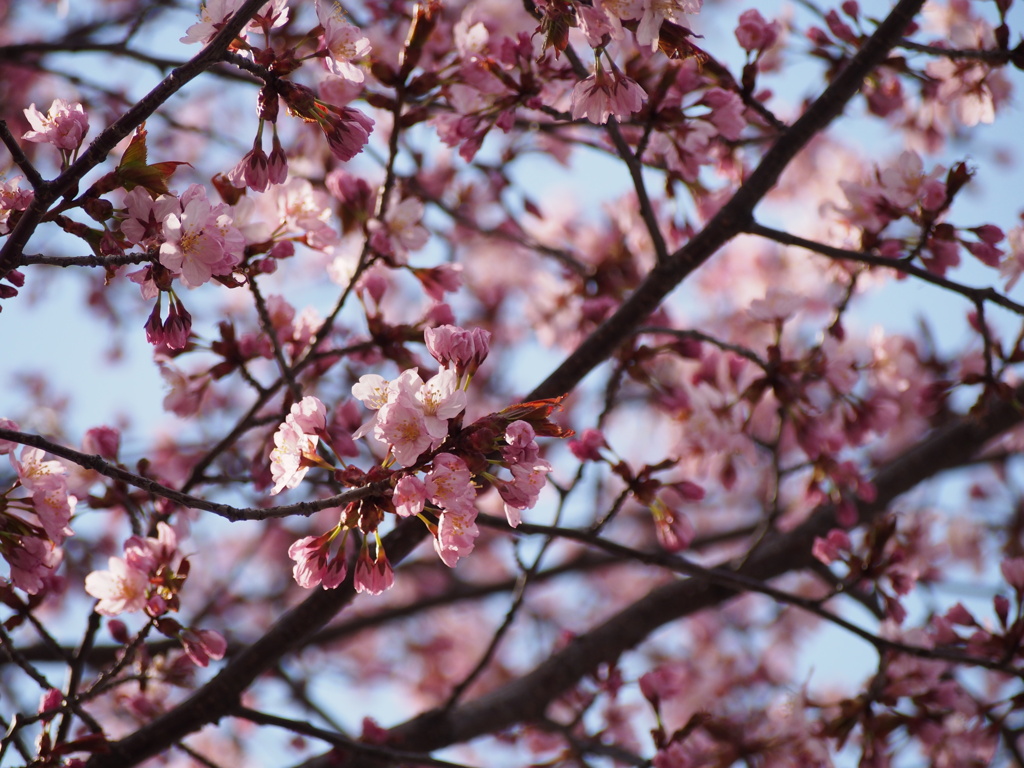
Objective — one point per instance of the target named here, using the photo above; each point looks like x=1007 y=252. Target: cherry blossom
x=64 y=125
x=202 y=645
x=753 y=33
x=604 y=94
x=295 y=444
x=344 y=42
x=373 y=576
x=451 y=346
x=47 y=482
x=655 y=12
x=212 y=15
x=120 y=589
x=195 y=243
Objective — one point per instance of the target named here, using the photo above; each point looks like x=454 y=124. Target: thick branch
x=734 y=215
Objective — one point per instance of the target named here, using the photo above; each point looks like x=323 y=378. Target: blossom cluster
x=197 y=239
x=420 y=422
x=32 y=548
x=149 y=578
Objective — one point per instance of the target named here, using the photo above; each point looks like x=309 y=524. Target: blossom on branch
x=295 y=444
x=344 y=42
x=64 y=125
x=606 y=94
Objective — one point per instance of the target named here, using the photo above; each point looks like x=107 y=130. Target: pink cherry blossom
x=456 y=536
x=521 y=442
x=347 y=131
x=458 y=347
x=449 y=485
x=121 y=589
x=828 y=549
x=754 y=33
x=314 y=564
x=192 y=247
x=212 y=15
x=64 y=125
x=149 y=555
x=606 y=94
x=252 y=171
x=1013 y=571
x=400 y=232
x=404 y=427
x=658 y=11
x=441 y=400
x=410 y=495
x=295 y=443
x=373 y=576
x=344 y=42
x=103 y=441
x=202 y=645
x=12 y=198
x=47 y=482
x=587 y=447
x=528 y=480
x=32 y=562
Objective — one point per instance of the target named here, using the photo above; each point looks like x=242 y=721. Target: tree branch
x=527 y=697
x=735 y=215
x=103 y=144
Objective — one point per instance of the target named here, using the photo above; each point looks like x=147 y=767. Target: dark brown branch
x=107 y=262
x=735 y=215
x=226 y=511
x=21 y=159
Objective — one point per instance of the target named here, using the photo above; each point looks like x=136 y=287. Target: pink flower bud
x=201 y=645
x=588 y=446
x=50 y=701
x=754 y=33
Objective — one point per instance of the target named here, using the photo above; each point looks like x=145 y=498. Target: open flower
x=122 y=589
x=295 y=444
x=604 y=94
x=344 y=42
x=64 y=125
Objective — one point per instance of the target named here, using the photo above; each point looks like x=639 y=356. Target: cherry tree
x=523 y=401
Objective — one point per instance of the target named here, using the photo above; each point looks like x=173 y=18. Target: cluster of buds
x=173 y=332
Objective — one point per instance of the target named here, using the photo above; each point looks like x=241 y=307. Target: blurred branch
x=977 y=295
